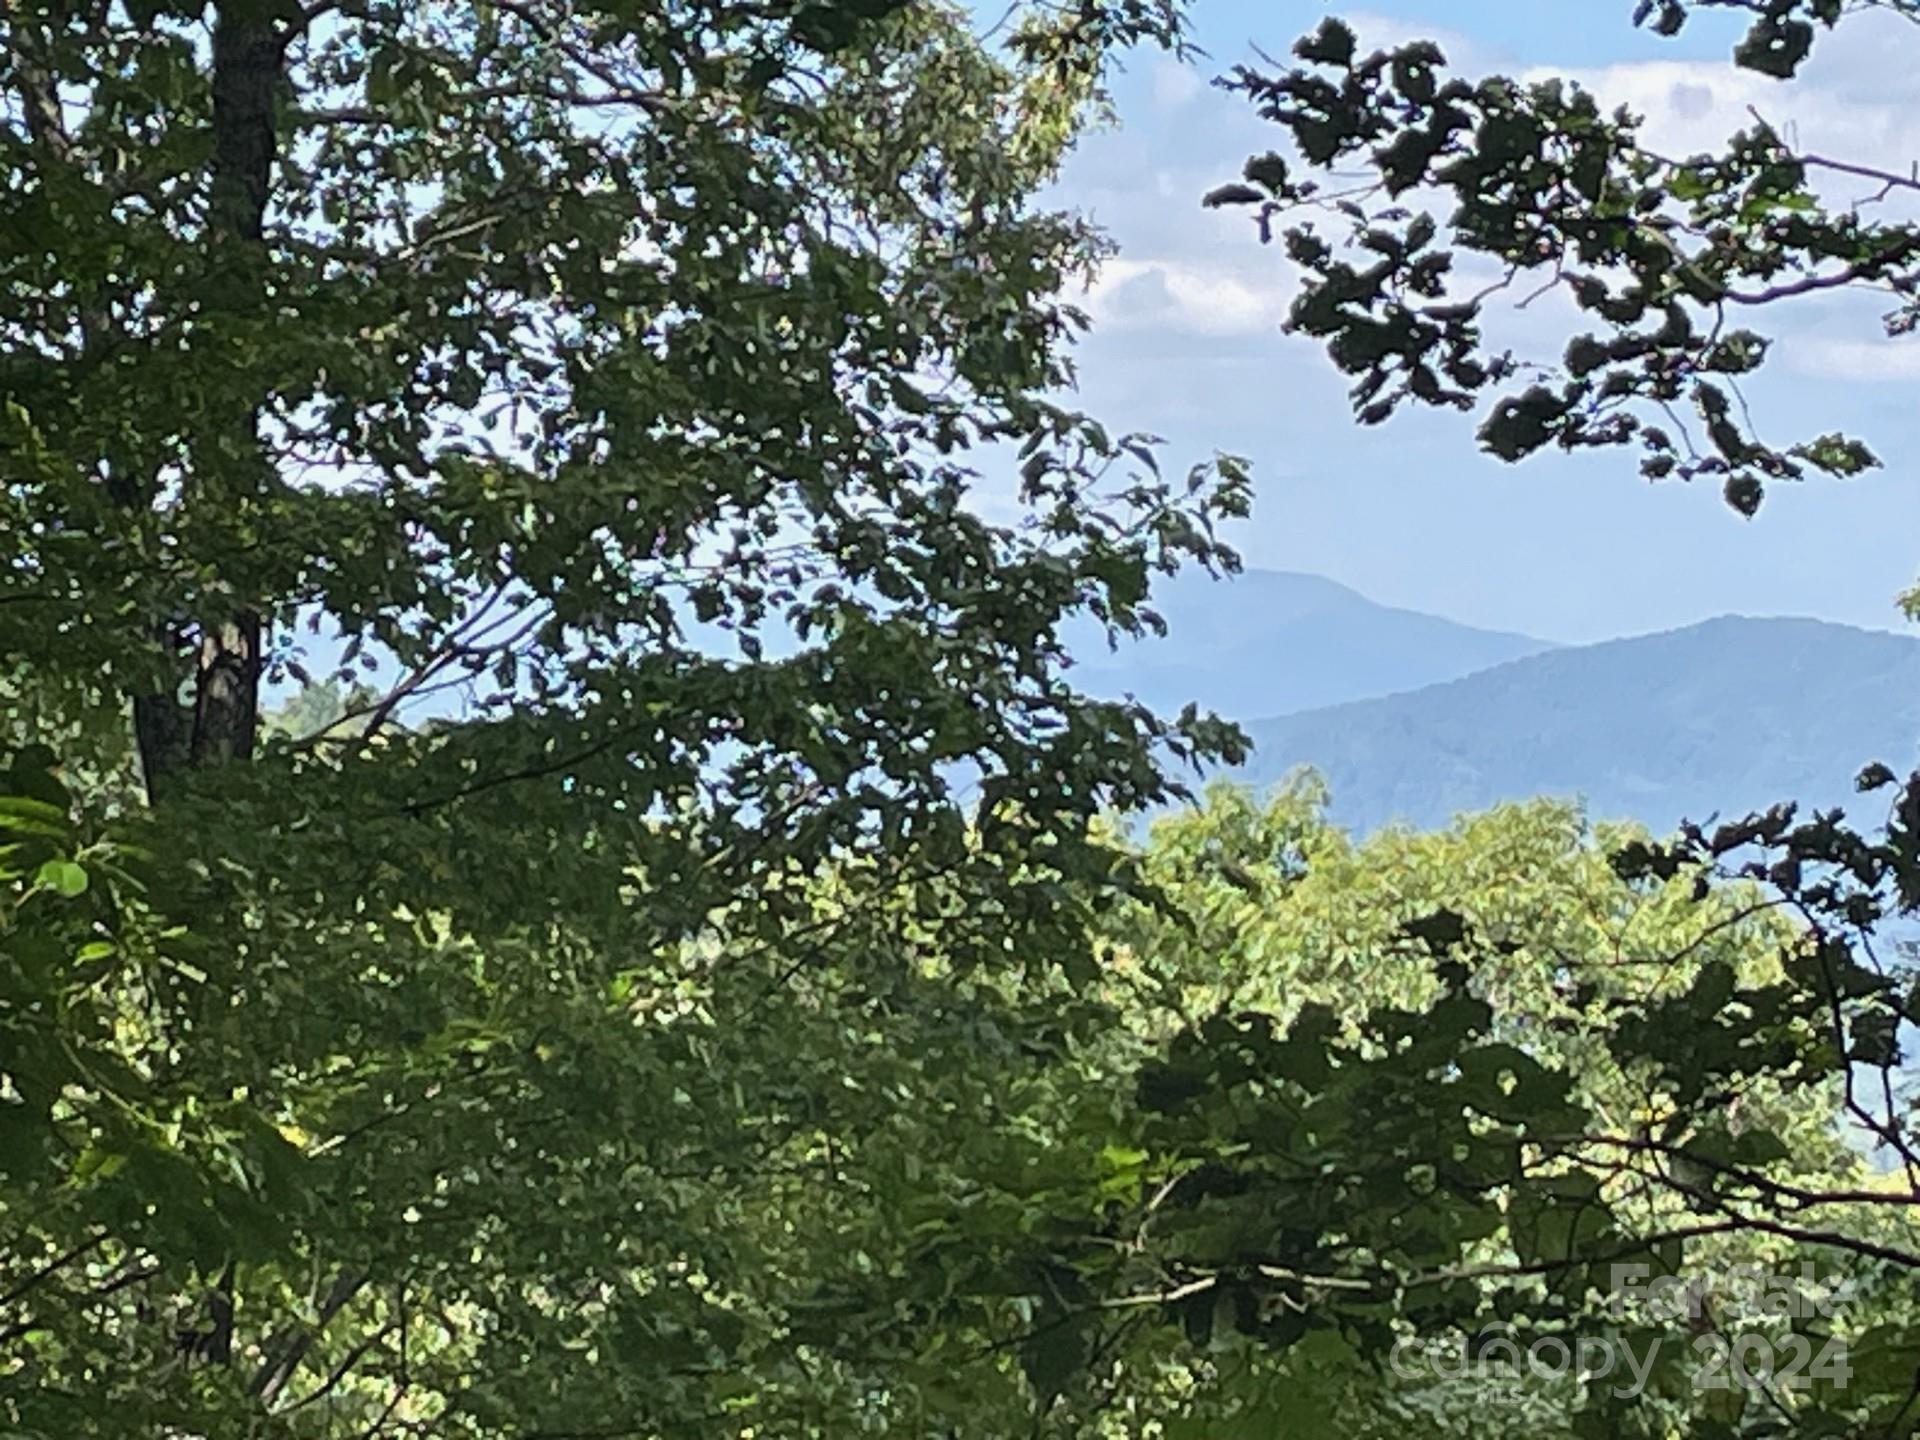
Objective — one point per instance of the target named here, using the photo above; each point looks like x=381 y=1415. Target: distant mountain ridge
x=1268 y=642
x=1724 y=716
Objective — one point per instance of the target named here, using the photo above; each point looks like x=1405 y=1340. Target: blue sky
x=1187 y=345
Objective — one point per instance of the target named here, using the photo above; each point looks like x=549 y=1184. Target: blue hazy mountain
x=1267 y=642
x=1725 y=716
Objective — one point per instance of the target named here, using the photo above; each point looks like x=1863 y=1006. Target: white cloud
x=1183 y=270
x=1852 y=102
x=1201 y=297
x=1389 y=32
x=1855 y=360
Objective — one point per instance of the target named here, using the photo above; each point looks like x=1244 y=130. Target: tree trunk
x=219 y=718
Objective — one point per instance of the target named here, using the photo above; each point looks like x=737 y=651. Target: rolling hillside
x=1723 y=716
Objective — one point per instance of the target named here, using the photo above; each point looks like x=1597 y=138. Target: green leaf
x=23 y=816
x=1231 y=195
x=1332 y=44
x=63 y=877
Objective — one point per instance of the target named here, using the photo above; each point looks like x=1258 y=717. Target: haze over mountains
x=1269 y=642
x=1410 y=717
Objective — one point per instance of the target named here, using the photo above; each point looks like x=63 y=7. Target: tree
x=499 y=1056
x=1399 y=1105
x=1475 y=190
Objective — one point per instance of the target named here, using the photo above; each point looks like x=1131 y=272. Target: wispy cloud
x=1867 y=361
x=1201 y=297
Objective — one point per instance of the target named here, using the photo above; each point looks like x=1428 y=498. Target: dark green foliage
x=507 y=1037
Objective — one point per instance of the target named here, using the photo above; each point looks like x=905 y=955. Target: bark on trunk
x=219 y=719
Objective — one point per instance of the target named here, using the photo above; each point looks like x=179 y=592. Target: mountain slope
x=1723 y=716
x=1268 y=642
